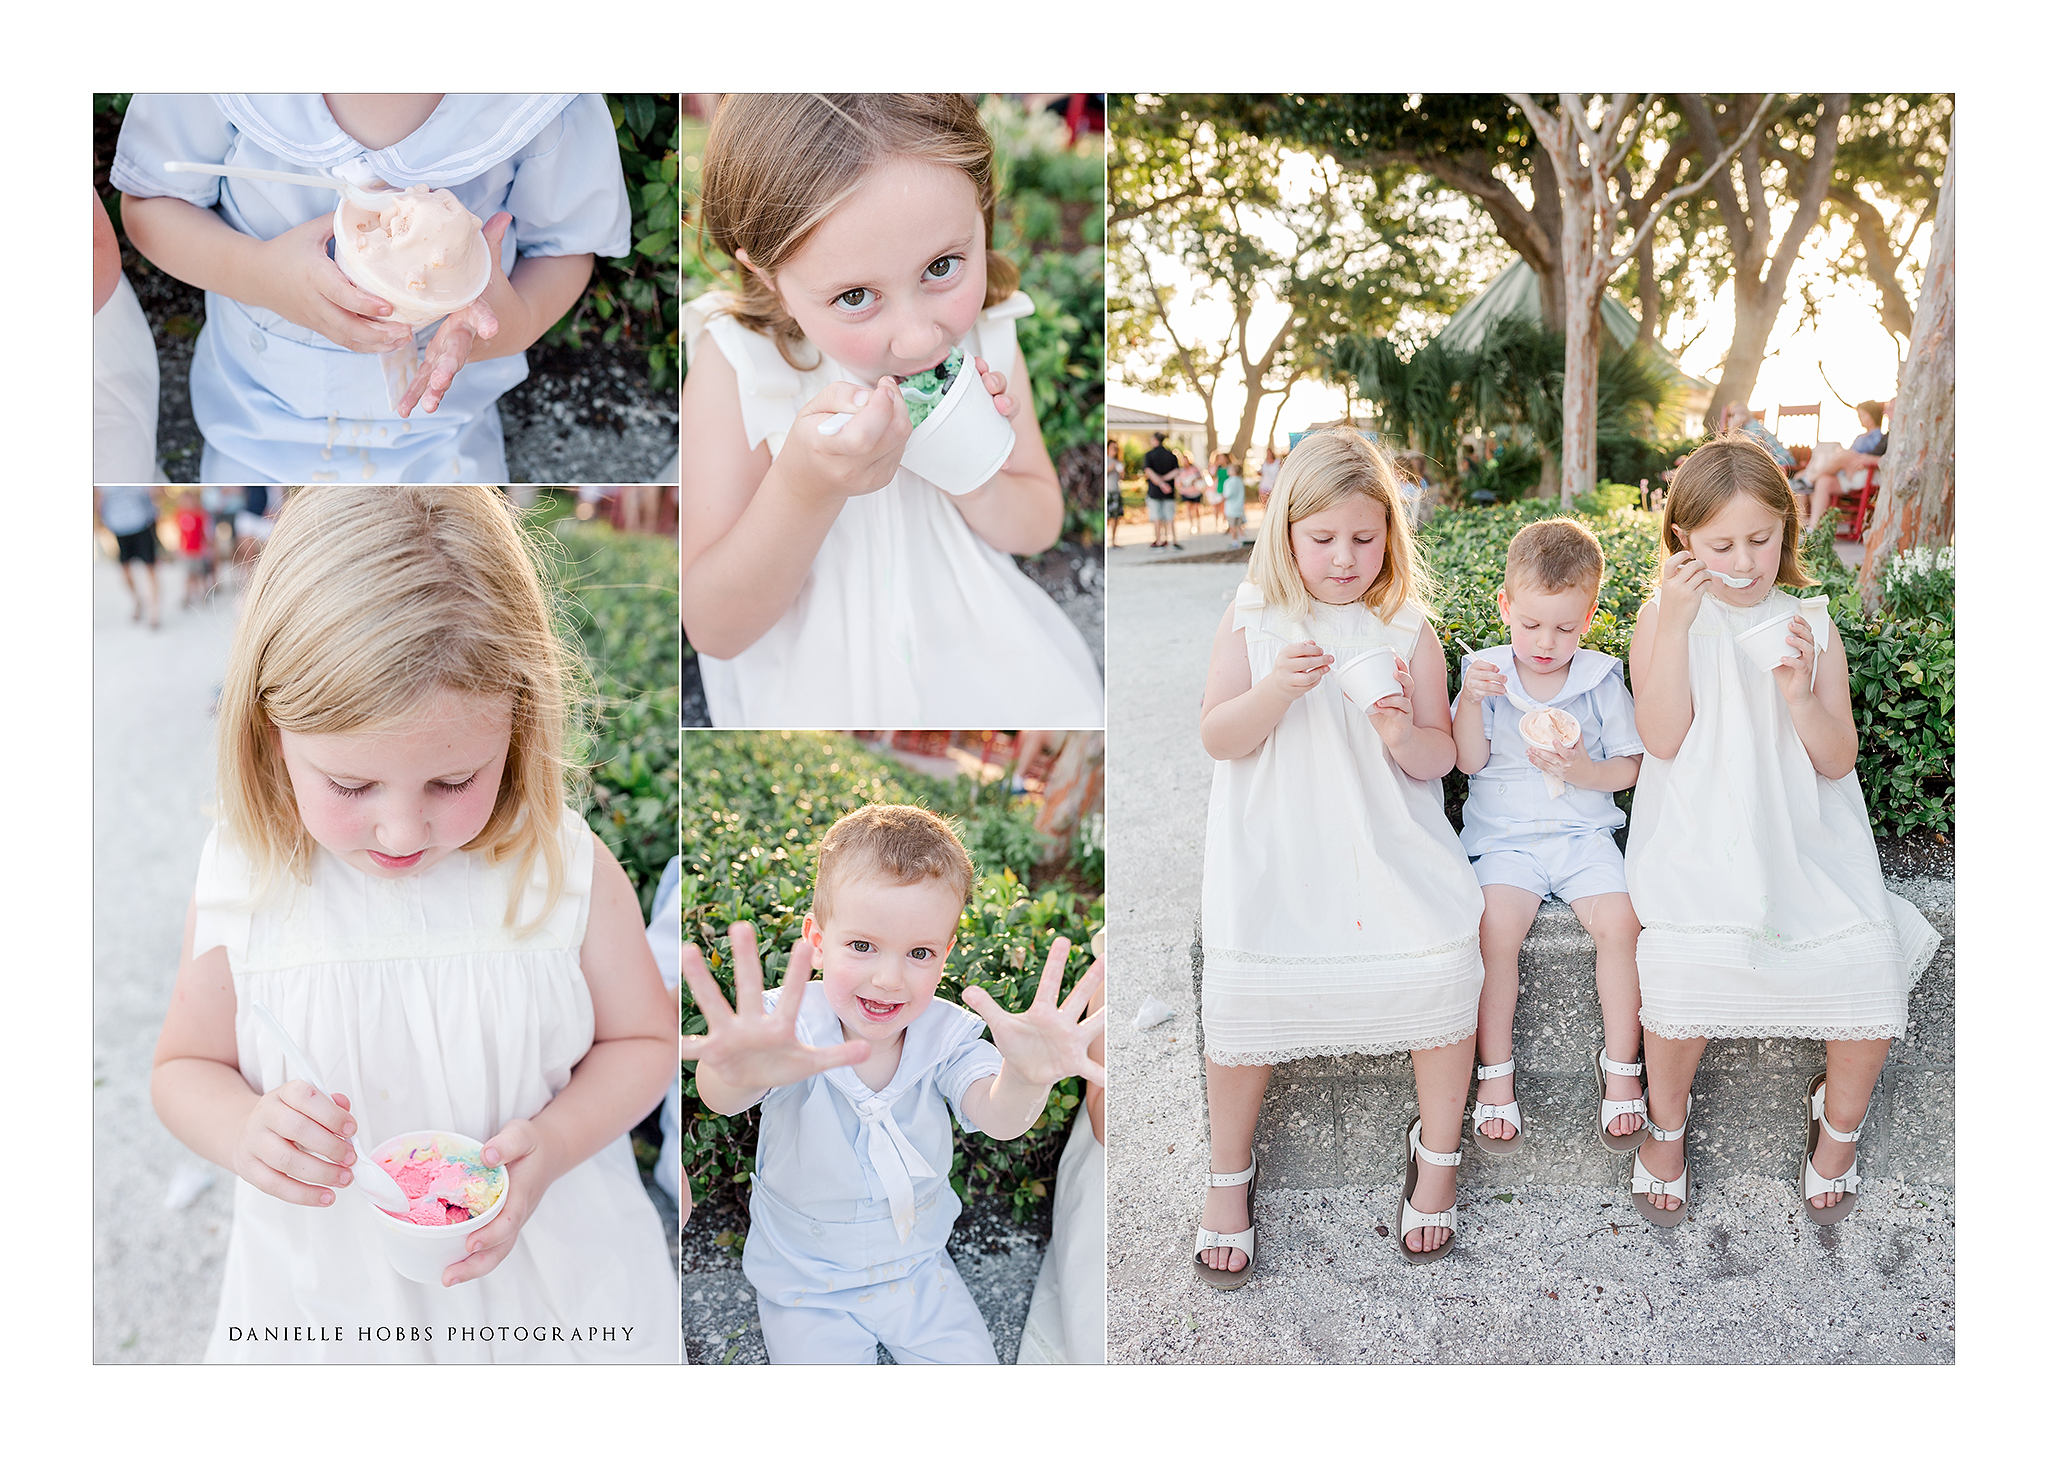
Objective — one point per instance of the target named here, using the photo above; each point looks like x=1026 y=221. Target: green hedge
x=1901 y=667
x=757 y=803
x=618 y=604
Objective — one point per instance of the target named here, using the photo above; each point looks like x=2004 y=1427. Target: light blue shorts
x=1564 y=866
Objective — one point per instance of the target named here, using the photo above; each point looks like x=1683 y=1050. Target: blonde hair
x=367 y=601
x=1553 y=555
x=776 y=165
x=1711 y=476
x=904 y=843
x=1328 y=467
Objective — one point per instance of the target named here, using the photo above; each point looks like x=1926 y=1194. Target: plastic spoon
x=372 y=1181
x=369 y=197
x=1525 y=705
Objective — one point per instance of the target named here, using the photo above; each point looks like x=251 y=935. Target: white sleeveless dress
x=907 y=619
x=1339 y=913
x=416 y=1000
x=1757 y=882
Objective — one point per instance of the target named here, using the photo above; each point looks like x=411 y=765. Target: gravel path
x=156 y=1270
x=1545 y=1272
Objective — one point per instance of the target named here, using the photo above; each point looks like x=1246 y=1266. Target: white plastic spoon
x=369 y=197
x=1525 y=705
x=372 y=1181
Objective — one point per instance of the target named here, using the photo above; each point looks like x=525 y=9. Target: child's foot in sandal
x=1830 y=1181
x=1622 y=1106
x=1434 y=1192
x=1224 y=1258
x=1496 y=1113
x=1661 y=1185
x=1223 y=1212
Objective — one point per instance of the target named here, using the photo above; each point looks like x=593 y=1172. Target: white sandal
x=1509 y=1113
x=1414 y=1219
x=1612 y=1109
x=1643 y=1184
x=1813 y=1182
x=1245 y=1240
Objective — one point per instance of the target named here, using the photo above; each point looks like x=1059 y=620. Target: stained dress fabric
x=276 y=401
x=416 y=999
x=1339 y=913
x=907 y=617
x=1757 y=882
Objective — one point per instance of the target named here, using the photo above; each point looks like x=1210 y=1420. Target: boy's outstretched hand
x=748 y=1049
x=1049 y=1040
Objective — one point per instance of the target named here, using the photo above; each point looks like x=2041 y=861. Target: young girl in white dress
x=1339 y=913
x=1750 y=858
x=396 y=879
x=823 y=583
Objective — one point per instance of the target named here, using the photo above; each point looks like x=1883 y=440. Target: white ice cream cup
x=404 y=308
x=422 y=1252
x=1369 y=677
x=1765 y=645
x=1531 y=721
x=965 y=439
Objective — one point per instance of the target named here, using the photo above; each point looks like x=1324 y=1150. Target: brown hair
x=1712 y=475
x=1553 y=555
x=1326 y=468
x=776 y=165
x=1875 y=410
x=368 y=599
x=904 y=843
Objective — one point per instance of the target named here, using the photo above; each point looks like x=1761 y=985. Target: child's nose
x=401 y=832
x=920 y=339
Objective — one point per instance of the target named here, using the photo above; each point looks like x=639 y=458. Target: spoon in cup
x=372 y=1181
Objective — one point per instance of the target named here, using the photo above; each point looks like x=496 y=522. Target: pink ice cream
x=422 y=252
x=445 y=1182
x=1550 y=728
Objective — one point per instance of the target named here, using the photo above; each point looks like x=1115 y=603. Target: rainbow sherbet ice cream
x=923 y=390
x=445 y=1180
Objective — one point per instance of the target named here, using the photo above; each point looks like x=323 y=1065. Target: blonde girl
x=395 y=877
x=1339 y=914
x=824 y=584
x=1750 y=858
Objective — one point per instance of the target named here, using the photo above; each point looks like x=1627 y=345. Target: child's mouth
x=397 y=863
x=877 y=1012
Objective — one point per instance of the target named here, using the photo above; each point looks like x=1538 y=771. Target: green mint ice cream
x=923 y=390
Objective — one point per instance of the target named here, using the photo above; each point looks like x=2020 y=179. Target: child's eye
x=350 y=791
x=945 y=267
x=923 y=954
x=455 y=789
x=854 y=300
x=861 y=946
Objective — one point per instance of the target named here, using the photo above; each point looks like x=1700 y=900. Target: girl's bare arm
x=1238 y=714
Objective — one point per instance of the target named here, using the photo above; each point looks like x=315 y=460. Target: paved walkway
x=1553 y=1264
x=156 y=1270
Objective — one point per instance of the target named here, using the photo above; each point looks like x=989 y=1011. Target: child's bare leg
x=1611 y=918
x=1441 y=1077
x=1510 y=912
x=1853 y=1067
x=1235 y=1093
x=1670 y=1064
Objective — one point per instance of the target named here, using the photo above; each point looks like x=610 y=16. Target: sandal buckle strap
x=1220 y=1181
x=1494 y=1070
x=1206 y=1239
x=1608 y=1065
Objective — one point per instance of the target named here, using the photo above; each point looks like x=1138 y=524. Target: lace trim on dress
x=1338 y=1050
x=1274 y=959
x=1780 y=1030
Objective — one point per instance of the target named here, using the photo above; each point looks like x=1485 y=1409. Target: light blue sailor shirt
x=1507 y=805
x=849 y=1178
x=279 y=402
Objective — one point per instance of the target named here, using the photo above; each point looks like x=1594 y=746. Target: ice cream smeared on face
x=420 y=250
x=923 y=390
x=445 y=1181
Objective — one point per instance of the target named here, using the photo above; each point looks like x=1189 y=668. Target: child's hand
x=1394 y=715
x=309 y=288
x=1567 y=763
x=1005 y=406
x=1483 y=681
x=1049 y=1040
x=517 y=1148
x=294 y=1142
x=1686 y=581
x=748 y=1046
x=448 y=351
x=860 y=455
x=1795 y=679
x=1299 y=667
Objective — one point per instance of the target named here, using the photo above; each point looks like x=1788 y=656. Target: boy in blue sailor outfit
x=859 y=1076
x=1546 y=732
x=289 y=376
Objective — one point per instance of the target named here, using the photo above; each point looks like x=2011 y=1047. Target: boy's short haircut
x=1551 y=556
x=902 y=843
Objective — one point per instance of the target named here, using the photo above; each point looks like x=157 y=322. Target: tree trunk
x=1916 y=501
x=1548 y=212
x=1745 y=357
x=1580 y=463
x=1648 y=299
